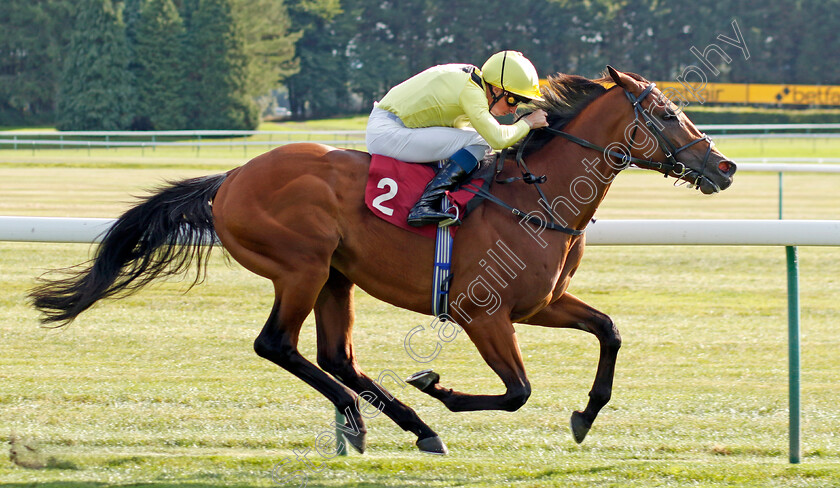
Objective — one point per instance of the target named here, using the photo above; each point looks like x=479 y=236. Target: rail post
x=780 y=195
x=794 y=349
x=340 y=442
x=793 y=352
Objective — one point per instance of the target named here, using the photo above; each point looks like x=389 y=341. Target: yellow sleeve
x=474 y=103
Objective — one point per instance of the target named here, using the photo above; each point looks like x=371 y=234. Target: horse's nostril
x=725 y=167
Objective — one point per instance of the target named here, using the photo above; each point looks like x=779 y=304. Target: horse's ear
x=620 y=78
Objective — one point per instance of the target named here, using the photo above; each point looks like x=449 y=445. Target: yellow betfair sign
x=752 y=93
x=749 y=93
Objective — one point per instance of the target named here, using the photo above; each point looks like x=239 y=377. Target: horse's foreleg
x=497 y=344
x=278 y=342
x=334 y=317
x=570 y=312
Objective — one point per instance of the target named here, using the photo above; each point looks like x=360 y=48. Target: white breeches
x=388 y=136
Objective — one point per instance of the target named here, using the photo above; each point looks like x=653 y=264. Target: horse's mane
x=565 y=97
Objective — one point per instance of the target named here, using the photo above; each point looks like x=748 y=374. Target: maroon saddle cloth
x=394 y=186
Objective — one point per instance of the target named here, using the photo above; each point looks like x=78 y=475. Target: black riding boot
x=427 y=209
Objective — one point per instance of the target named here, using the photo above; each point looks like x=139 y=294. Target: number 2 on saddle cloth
x=394 y=186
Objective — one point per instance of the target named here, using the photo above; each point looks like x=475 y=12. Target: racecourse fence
x=346 y=138
x=788 y=233
x=192 y=139
x=600 y=233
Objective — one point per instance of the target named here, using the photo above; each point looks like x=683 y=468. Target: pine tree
x=217 y=74
x=159 y=72
x=131 y=17
x=268 y=46
x=320 y=88
x=95 y=89
x=32 y=33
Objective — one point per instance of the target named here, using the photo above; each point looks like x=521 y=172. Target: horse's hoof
x=579 y=426
x=358 y=441
x=423 y=379
x=432 y=445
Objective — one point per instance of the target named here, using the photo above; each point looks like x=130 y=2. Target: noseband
x=670 y=167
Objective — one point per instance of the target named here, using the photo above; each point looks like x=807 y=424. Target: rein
x=530 y=179
x=671 y=167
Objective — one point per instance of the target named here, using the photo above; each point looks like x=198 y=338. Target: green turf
x=163 y=388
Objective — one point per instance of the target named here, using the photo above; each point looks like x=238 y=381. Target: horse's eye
x=669 y=115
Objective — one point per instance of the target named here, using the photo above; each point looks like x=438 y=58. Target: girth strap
x=442 y=276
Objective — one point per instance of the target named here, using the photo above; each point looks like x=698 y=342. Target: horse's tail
x=161 y=236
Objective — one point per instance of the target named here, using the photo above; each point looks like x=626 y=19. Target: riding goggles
x=514 y=100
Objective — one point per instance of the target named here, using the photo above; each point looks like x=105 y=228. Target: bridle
x=670 y=167
x=668 y=147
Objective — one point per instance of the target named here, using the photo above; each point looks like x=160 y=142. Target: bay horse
x=296 y=216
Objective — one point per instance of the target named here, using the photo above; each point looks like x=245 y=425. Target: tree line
x=208 y=64
x=141 y=64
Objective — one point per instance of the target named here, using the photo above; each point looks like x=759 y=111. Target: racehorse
x=296 y=215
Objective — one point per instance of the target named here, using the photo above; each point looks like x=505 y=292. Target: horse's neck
x=578 y=178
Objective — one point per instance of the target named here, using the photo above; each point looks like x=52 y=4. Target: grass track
x=163 y=389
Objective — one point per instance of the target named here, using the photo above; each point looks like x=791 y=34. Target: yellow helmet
x=512 y=72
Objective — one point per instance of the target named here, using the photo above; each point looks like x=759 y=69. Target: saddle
x=394 y=186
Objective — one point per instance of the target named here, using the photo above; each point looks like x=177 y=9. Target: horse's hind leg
x=570 y=312
x=278 y=342
x=334 y=317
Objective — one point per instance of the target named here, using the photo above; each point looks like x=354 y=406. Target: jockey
x=426 y=118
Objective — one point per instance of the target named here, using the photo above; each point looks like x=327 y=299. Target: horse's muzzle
x=727 y=168
x=719 y=180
